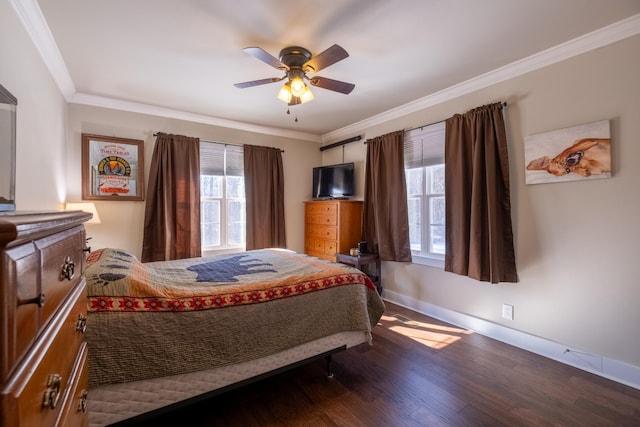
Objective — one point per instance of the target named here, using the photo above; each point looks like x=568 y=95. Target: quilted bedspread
x=157 y=319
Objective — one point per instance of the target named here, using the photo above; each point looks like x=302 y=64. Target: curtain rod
x=225 y=143
x=504 y=104
x=337 y=144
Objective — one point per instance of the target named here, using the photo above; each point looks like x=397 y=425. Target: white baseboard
x=614 y=370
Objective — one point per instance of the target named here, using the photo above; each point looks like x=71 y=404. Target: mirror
x=8 y=108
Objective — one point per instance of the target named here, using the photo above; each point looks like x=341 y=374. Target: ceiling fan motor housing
x=294 y=57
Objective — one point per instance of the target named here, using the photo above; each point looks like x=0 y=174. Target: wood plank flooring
x=422 y=372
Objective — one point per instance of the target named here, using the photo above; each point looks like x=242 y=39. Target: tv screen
x=334 y=181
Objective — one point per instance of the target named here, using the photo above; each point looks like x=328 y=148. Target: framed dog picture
x=112 y=168
x=570 y=154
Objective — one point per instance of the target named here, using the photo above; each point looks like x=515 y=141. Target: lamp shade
x=87 y=207
x=306 y=96
x=285 y=93
x=297 y=86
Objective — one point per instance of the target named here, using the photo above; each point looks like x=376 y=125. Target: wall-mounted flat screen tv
x=334 y=181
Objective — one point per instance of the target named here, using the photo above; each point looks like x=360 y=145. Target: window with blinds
x=223 y=216
x=424 y=172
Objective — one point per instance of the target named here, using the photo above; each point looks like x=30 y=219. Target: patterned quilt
x=119 y=282
x=156 y=319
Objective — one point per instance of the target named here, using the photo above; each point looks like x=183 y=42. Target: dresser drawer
x=308 y=244
x=322 y=232
x=62 y=262
x=330 y=247
x=320 y=219
x=318 y=245
x=35 y=395
x=323 y=208
x=20 y=310
x=74 y=412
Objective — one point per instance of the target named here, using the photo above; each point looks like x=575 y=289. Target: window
x=222 y=200
x=424 y=172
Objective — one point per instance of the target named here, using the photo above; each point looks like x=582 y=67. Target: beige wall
x=41 y=118
x=576 y=242
x=122 y=222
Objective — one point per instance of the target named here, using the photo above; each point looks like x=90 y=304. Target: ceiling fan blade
x=322 y=60
x=258 y=82
x=331 y=84
x=265 y=57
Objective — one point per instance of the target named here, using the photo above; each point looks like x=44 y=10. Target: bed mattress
x=149 y=320
x=113 y=403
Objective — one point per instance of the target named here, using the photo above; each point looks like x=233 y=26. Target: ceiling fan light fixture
x=296 y=61
x=285 y=93
x=306 y=96
x=297 y=86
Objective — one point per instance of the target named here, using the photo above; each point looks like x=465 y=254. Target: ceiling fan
x=297 y=62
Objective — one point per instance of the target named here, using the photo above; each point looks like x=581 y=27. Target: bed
x=164 y=333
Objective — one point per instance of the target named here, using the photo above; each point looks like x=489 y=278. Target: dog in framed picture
x=586 y=157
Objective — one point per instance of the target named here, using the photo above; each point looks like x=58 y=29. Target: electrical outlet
x=507 y=311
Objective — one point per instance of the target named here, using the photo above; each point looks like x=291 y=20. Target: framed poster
x=575 y=153
x=112 y=168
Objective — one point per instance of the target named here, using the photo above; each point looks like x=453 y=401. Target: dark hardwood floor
x=422 y=372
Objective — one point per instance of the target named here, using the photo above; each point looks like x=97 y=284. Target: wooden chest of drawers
x=331 y=226
x=43 y=354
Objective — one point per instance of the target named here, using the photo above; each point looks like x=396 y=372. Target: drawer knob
x=81 y=323
x=39 y=299
x=67 y=270
x=52 y=393
x=82 y=405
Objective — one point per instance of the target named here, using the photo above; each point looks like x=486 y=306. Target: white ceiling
x=180 y=58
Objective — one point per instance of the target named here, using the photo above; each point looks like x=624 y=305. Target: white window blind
x=221 y=159
x=423 y=146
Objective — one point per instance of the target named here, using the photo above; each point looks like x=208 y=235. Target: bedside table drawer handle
x=67 y=269
x=81 y=323
x=82 y=406
x=52 y=393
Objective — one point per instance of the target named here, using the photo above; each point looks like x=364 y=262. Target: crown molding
x=33 y=21
x=154 y=110
x=602 y=37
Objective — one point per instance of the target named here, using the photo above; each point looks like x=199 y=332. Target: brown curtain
x=264 y=193
x=172 y=213
x=479 y=237
x=385 y=225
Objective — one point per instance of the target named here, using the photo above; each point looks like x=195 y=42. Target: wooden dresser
x=331 y=226
x=43 y=354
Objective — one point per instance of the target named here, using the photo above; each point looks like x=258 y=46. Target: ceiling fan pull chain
x=289 y=112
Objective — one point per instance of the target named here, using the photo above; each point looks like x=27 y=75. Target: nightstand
x=362 y=260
